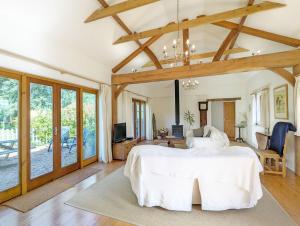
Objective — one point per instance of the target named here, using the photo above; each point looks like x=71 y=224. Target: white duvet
x=228 y=177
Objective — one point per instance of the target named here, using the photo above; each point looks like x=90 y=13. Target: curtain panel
x=105 y=126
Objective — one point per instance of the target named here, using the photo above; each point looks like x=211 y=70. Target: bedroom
x=65 y=85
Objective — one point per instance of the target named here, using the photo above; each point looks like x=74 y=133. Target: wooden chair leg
x=277 y=165
x=262 y=161
x=283 y=168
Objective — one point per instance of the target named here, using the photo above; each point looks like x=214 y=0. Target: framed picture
x=281 y=109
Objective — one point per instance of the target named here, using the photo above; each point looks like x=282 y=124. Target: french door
x=89 y=126
x=139 y=119
x=54 y=131
x=10 y=158
x=47 y=129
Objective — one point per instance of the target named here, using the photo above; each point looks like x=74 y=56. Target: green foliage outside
x=8 y=103
x=41 y=105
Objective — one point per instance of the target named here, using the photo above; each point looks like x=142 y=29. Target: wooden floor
x=55 y=212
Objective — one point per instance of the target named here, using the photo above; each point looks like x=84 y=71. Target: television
x=119 y=132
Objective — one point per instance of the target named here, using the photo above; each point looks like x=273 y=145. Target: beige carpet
x=40 y=195
x=114 y=198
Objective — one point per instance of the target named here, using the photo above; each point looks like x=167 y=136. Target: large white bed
x=219 y=178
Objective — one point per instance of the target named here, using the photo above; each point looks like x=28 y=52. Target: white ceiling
x=63 y=22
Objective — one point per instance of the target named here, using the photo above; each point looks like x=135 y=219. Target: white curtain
x=105 y=127
x=253 y=109
x=149 y=132
x=297 y=105
x=264 y=109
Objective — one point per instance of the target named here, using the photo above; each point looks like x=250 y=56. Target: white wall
x=163 y=103
x=270 y=80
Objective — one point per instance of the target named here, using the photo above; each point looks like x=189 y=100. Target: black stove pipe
x=177 y=107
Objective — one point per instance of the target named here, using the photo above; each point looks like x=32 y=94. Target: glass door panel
x=68 y=127
x=137 y=120
x=89 y=125
x=41 y=129
x=143 y=120
x=9 y=120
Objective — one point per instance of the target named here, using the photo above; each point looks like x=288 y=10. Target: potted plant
x=189 y=118
x=163 y=132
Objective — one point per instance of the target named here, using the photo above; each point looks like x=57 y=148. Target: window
x=260 y=108
x=139 y=119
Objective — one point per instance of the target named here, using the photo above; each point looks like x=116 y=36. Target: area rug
x=114 y=198
x=40 y=195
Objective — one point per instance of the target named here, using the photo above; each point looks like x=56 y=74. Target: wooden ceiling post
x=245 y=64
x=185 y=47
x=114 y=104
x=147 y=50
x=218 y=17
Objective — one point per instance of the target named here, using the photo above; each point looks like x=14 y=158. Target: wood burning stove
x=177 y=130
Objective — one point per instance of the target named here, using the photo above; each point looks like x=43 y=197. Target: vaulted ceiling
x=63 y=22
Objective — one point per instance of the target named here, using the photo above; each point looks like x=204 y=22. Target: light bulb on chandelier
x=190 y=84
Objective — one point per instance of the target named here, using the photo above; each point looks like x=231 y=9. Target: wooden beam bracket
x=285 y=75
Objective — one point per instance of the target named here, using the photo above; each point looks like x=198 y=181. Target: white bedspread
x=214 y=168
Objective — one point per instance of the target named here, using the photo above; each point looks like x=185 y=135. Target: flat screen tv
x=119 y=132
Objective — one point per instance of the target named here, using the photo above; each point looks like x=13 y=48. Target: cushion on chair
x=278 y=136
x=198 y=132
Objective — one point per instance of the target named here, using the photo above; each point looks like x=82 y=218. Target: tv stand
x=122 y=149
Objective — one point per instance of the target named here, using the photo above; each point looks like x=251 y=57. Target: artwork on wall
x=281 y=102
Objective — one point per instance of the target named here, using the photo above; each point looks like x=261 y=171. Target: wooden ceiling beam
x=147 y=50
x=285 y=75
x=238 y=30
x=117 y=8
x=253 y=63
x=296 y=70
x=232 y=34
x=135 y=53
x=202 y=20
x=200 y=56
x=260 y=33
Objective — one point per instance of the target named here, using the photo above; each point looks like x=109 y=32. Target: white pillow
x=206 y=130
x=219 y=137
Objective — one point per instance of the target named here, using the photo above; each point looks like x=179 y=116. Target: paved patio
x=41 y=163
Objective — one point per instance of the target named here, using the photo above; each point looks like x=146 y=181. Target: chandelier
x=190 y=84
x=178 y=55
